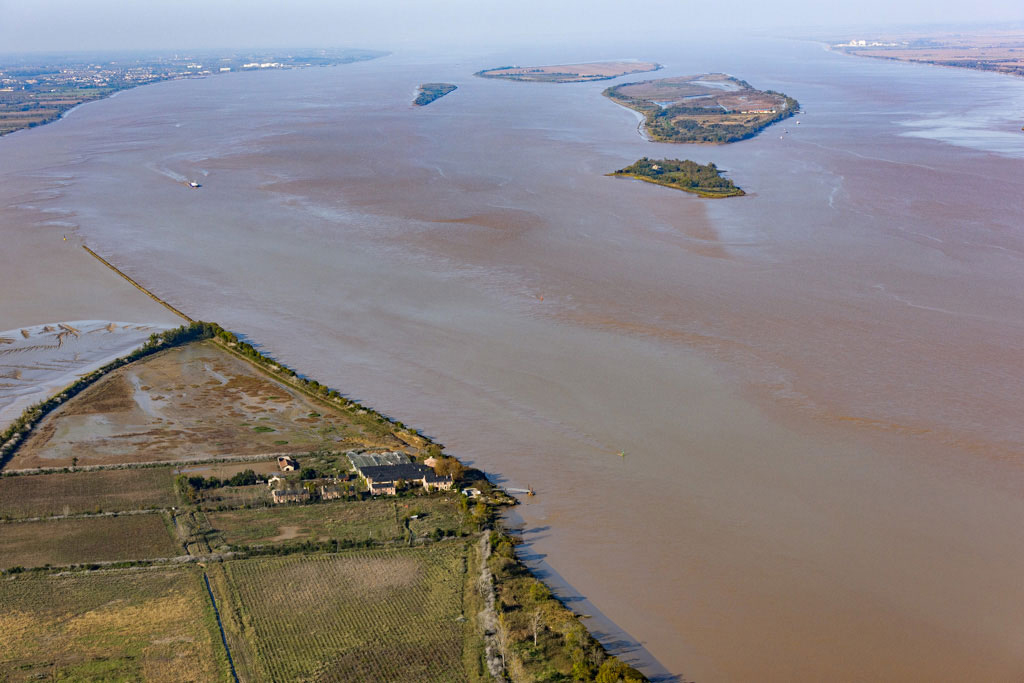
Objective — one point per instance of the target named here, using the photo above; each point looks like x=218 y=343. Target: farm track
x=85 y=515
x=258 y=457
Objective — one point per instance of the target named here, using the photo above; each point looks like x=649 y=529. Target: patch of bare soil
x=192 y=402
x=287 y=533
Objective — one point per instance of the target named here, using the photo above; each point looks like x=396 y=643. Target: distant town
x=1001 y=51
x=37 y=89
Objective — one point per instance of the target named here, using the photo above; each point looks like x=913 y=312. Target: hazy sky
x=69 y=25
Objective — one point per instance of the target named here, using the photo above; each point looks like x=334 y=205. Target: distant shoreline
x=20 y=110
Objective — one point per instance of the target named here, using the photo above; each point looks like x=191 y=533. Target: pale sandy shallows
x=38 y=360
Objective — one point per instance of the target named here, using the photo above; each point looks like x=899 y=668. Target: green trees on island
x=689 y=176
x=432 y=91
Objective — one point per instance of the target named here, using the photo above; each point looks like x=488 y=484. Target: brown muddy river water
x=817 y=386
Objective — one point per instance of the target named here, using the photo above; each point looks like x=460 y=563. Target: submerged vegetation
x=432 y=91
x=689 y=176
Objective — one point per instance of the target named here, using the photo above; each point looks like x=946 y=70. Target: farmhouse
x=384 y=478
x=437 y=482
x=330 y=492
x=290 y=495
x=382 y=488
x=287 y=464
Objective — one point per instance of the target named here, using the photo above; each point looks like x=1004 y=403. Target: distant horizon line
x=822 y=33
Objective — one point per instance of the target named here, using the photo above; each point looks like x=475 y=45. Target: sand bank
x=37 y=360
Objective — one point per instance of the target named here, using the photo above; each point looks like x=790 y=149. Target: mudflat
x=187 y=403
x=38 y=360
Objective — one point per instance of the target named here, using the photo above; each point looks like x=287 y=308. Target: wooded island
x=688 y=176
x=428 y=92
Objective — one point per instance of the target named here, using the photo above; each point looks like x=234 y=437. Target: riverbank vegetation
x=540 y=639
x=705 y=180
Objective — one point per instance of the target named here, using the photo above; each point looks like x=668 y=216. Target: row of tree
x=685 y=174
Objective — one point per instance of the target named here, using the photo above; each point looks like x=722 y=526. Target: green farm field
x=235 y=496
x=381 y=615
x=85 y=539
x=44 y=495
x=378 y=520
x=126 y=625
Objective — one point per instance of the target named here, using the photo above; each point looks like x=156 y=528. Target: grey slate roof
x=362 y=460
x=385 y=473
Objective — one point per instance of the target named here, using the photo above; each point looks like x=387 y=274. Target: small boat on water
x=193 y=184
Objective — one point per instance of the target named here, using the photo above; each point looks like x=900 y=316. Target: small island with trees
x=569 y=73
x=688 y=176
x=428 y=92
x=707 y=108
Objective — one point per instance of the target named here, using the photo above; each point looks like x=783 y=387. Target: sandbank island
x=569 y=73
x=710 y=108
x=689 y=176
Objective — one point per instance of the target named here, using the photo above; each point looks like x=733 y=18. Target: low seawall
x=148 y=293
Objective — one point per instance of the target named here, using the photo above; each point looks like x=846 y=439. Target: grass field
x=125 y=625
x=224 y=470
x=44 y=495
x=379 y=519
x=382 y=615
x=85 y=539
x=232 y=496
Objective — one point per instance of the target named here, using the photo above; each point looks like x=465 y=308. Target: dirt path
x=488 y=617
x=287 y=533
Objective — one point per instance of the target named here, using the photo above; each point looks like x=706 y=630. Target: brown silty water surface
x=816 y=386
